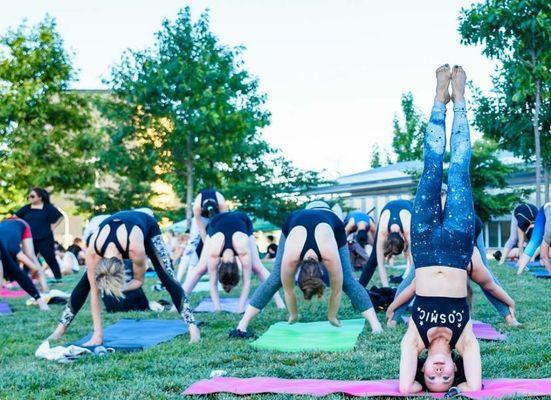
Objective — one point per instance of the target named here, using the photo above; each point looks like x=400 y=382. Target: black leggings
x=46 y=248
x=12 y=271
x=157 y=252
x=369 y=268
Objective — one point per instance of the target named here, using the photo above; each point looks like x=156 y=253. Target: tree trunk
x=535 y=124
x=547 y=181
x=189 y=181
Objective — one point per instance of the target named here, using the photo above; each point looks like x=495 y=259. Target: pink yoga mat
x=12 y=293
x=493 y=388
x=481 y=330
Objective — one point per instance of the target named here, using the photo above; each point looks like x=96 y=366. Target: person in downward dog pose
x=522 y=225
x=362 y=226
x=229 y=240
x=16 y=245
x=314 y=252
x=132 y=235
x=391 y=238
x=442 y=246
x=541 y=239
x=207 y=204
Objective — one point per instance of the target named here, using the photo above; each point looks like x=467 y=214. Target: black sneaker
x=237 y=334
x=497 y=255
x=452 y=392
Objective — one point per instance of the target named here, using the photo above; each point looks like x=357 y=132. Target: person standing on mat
x=229 y=240
x=12 y=233
x=391 y=238
x=442 y=246
x=207 y=204
x=43 y=218
x=522 y=224
x=362 y=225
x=132 y=235
x=541 y=238
x=314 y=252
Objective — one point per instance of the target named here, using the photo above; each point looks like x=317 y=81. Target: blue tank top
x=395 y=206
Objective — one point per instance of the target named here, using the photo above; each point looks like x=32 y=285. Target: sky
x=333 y=70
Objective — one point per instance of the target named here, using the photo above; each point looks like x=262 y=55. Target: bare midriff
x=441 y=281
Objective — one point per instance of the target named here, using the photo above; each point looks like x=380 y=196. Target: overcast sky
x=333 y=71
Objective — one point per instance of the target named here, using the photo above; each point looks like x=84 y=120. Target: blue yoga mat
x=529 y=266
x=542 y=274
x=5 y=308
x=228 y=304
x=139 y=334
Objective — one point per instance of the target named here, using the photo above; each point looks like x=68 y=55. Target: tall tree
x=407 y=140
x=518 y=33
x=46 y=133
x=376 y=156
x=508 y=121
x=187 y=112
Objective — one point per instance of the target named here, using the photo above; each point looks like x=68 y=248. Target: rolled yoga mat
x=493 y=388
x=228 y=304
x=138 y=334
x=311 y=336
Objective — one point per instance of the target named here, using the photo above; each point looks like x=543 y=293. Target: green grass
x=164 y=371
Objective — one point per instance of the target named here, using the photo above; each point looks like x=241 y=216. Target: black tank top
x=395 y=206
x=310 y=219
x=129 y=219
x=209 y=202
x=228 y=223
x=447 y=312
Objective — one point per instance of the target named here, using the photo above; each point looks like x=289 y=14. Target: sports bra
x=228 y=223
x=358 y=217
x=208 y=200
x=310 y=219
x=395 y=206
x=447 y=312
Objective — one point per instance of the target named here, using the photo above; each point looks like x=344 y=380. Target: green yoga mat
x=311 y=336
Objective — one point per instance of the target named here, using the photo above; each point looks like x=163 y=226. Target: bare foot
x=42 y=304
x=459 y=79
x=194 y=334
x=58 y=333
x=512 y=321
x=292 y=318
x=443 y=76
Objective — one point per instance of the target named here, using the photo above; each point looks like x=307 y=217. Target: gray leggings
x=500 y=306
x=357 y=294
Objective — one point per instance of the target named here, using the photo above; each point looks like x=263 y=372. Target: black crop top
x=228 y=223
x=310 y=219
x=447 y=312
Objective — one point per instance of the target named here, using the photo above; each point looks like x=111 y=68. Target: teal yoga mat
x=311 y=336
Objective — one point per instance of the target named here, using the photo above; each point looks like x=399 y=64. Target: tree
x=376 y=156
x=509 y=122
x=188 y=113
x=518 y=33
x=407 y=141
x=46 y=133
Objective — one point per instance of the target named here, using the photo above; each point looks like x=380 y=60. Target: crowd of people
x=438 y=234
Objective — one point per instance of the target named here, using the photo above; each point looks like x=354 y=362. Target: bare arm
x=246 y=266
x=56 y=224
x=288 y=281
x=381 y=239
x=95 y=307
x=521 y=239
x=483 y=278
x=544 y=255
x=470 y=351
x=349 y=228
x=408 y=363
x=138 y=268
x=334 y=268
x=404 y=297
x=212 y=267
x=198 y=220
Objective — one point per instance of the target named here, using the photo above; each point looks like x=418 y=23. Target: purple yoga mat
x=228 y=304
x=5 y=308
x=493 y=388
x=481 y=330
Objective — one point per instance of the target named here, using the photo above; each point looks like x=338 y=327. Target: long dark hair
x=42 y=193
x=458 y=378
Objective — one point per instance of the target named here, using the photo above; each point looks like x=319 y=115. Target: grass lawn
x=164 y=371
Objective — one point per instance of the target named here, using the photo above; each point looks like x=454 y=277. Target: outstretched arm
x=334 y=269
x=401 y=298
x=212 y=267
x=95 y=307
x=381 y=239
x=246 y=266
x=288 y=281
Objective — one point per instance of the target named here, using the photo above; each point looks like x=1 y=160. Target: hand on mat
x=194 y=334
x=334 y=321
x=95 y=340
x=292 y=318
x=58 y=333
x=391 y=323
x=389 y=315
x=42 y=305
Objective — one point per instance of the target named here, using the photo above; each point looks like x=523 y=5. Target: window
x=493 y=236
